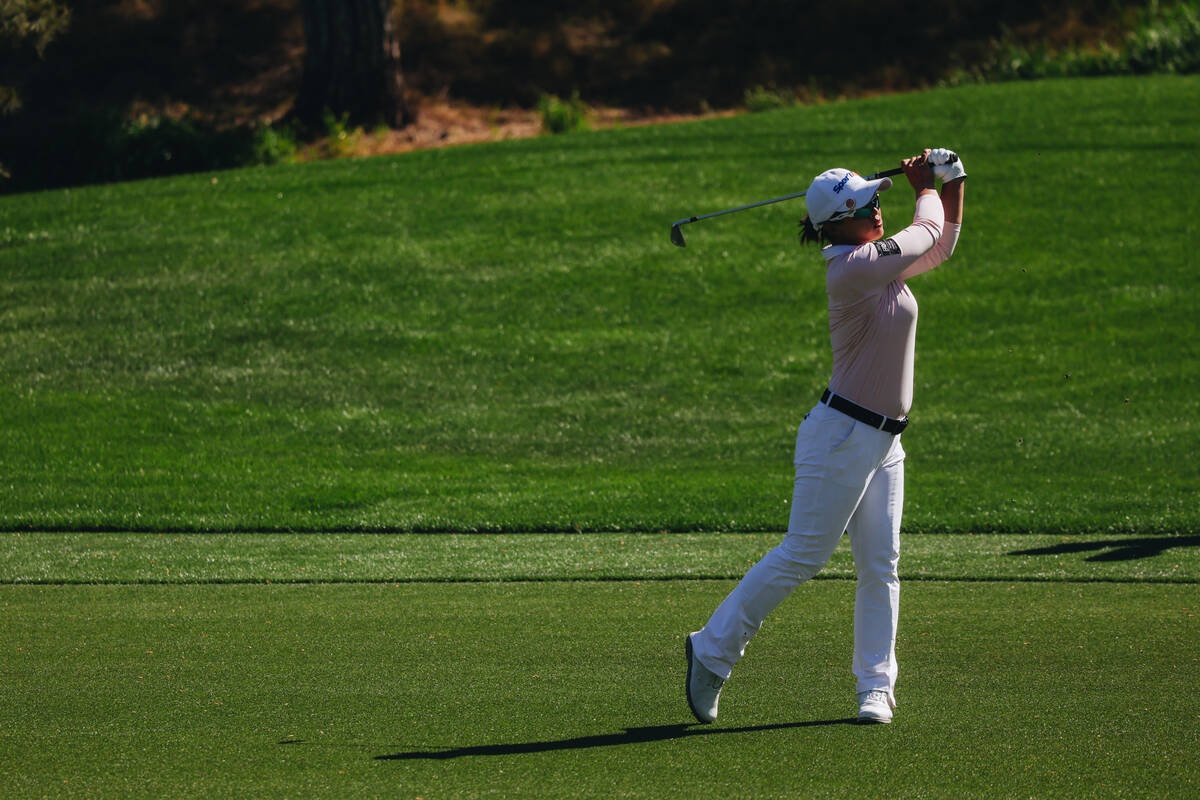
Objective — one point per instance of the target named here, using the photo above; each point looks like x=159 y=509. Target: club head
x=677 y=235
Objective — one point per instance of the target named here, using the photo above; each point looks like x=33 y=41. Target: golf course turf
x=502 y=337
x=406 y=476
x=574 y=688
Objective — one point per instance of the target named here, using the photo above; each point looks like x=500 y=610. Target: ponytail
x=809 y=234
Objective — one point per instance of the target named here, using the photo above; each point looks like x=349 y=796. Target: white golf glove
x=947 y=166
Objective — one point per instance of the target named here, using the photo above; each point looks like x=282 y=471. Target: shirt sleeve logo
x=887 y=247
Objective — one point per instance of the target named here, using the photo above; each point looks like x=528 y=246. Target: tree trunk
x=352 y=64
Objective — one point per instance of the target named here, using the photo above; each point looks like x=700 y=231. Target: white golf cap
x=837 y=192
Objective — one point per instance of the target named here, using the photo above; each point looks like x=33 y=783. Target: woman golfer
x=849 y=462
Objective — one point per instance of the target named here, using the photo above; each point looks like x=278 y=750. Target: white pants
x=849 y=478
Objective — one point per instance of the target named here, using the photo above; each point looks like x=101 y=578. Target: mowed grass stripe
x=526 y=579
x=575 y=690
x=100 y=558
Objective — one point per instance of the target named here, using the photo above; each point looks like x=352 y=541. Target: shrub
x=273 y=145
x=341 y=139
x=1165 y=41
x=1162 y=40
x=102 y=146
x=762 y=99
x=563 y=116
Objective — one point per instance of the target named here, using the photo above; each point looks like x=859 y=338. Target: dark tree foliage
x=26 y=25
x=684 y=53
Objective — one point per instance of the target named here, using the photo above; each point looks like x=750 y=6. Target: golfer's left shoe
x=875 y=706
x=703 y=686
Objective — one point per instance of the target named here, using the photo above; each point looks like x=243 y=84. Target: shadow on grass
x=1115 y=550
x=652 y=733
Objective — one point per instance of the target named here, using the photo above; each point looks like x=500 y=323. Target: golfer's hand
x=947 y=166
x=918 y=171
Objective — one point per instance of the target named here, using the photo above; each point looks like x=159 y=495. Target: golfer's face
x=864 y=230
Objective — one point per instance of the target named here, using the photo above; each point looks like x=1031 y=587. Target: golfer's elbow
x=921 y=237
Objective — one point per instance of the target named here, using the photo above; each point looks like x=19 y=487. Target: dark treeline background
x=683 y=54
x=218 y=55
x=227 y=63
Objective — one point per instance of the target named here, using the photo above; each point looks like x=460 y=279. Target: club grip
x=887 y=173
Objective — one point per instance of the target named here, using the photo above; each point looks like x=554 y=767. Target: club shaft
x=743 y=208
x=686 y=220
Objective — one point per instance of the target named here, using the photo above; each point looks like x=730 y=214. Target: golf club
x=677 y=227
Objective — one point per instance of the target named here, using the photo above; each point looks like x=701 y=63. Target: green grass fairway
x=575 y=690
x=405 y=477
x=502 y=338
x=216 y=665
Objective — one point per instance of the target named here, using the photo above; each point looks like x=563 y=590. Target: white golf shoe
x=703 y=687
x=875 y=706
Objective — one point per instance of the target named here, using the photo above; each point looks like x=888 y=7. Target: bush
x=101 y=146
x=762 y=99
x=341 y=139
x=1162 y=40
x=273 y=145
x=563 y=116
x=1166 y=41
x=164 y=146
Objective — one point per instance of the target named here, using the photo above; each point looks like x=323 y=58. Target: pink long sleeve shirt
x=872 y=312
